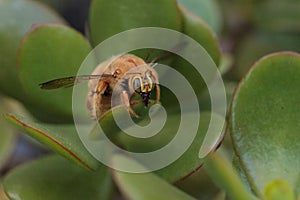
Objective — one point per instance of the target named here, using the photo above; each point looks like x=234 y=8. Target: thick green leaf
x=208 y=10
x=201 y=33
x=48 y=52
x=186 y=163
x=7 y=135
x=221 y=171
x=17 y=16
x=61 y=138
x=7 y=141
x=65 y=141
x=237 y=166
x=199 y=185
x=190 y=160
x=56 y=178
x=111 y=129
x=258 y=44
x=146 y=186
x=265 y=122
x=197 y=29
x=108 y=18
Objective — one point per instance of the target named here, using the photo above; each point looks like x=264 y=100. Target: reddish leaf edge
x=64 y=151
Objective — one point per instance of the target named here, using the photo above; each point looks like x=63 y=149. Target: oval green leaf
x=265 y=124
x=49 y=52
x=185 y=164
x=108 y=18
x=17 y=16
x=61 y=138
x=198 y=30
x=54 y=177
x=208 y=10
x=191 y=160
x=153 y=187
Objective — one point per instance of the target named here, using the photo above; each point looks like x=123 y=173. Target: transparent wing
x=70 y=81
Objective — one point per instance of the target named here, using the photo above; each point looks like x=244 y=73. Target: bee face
x=143 y=84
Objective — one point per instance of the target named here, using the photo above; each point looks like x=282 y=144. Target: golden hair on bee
x=124 y=75
x=134 y=77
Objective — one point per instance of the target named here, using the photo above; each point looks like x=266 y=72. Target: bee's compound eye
x=137 y=84
x=152 y=81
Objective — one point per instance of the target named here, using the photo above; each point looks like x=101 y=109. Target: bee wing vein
x=70 y=81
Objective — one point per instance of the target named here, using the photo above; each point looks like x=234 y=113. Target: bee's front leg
x=126 y=102
x=157 y=93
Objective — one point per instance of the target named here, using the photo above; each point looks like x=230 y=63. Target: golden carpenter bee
x=124 y=76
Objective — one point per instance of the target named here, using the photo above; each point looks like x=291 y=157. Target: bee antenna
x=158 y=58
x=167 y=55
x=148 y=55
x=152 y=64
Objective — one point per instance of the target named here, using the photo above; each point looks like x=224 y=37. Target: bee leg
x=126 y=102
x=155 y=77
x=132 y=103
x=99 y=108
x=157 y=93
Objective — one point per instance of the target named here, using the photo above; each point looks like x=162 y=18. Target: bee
x=118 y=80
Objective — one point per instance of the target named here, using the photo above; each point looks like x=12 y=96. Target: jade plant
x=255 y=156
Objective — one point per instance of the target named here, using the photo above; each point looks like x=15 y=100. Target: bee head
x=143 y=85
